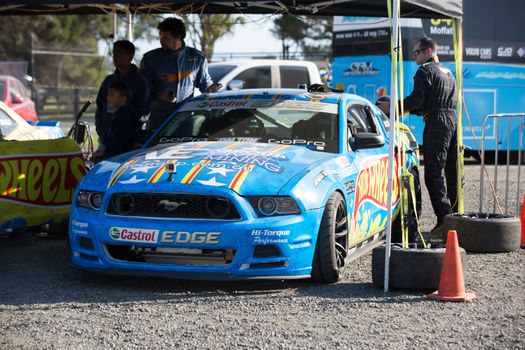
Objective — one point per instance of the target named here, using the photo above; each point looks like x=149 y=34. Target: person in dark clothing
x=121 y=137
x=174 y=71
x=383 y=103
x=139 y=95
x=434 y=97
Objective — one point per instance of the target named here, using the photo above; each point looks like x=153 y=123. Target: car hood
x=246 y=168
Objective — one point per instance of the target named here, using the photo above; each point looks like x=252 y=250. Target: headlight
x=90 y=199
x=269 y=206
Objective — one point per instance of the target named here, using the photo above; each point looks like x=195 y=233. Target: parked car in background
x=14 y=128
x=15 y=95
x=256 y=74
x=39 y=170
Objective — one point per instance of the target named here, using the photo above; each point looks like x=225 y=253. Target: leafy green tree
x=48 y=42
x=64 y=47
x=205 y=30
x=312 y=35
x=318 y=36
x=290 y=30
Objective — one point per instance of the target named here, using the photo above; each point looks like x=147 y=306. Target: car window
x=287 y=122
x=256 y=77
x=362 y=119
x=13 y=91
x=7 y=125
x=217 y=72
x=385 y=119
x=291 y=76
x=21 y=89
x=2 y=90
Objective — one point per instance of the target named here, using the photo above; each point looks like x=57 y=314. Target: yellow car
x=39 y=171
x=14 y=127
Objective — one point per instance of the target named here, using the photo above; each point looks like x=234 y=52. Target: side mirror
x=236 y=85
x=368 y=140
x=80 y=133
x=18 y=99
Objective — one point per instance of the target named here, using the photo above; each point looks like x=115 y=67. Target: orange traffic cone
x=523 y=222
x=451 y=283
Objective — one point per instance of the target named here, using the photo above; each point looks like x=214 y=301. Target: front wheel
x=331 y=249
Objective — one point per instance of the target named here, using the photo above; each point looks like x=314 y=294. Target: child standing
x=122 y=130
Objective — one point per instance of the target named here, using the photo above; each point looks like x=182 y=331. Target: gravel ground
x=45 y=304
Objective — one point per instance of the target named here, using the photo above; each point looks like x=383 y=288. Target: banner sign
x=37 y=181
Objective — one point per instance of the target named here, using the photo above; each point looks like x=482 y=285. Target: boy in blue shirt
x=138 y=97
x=121 y=137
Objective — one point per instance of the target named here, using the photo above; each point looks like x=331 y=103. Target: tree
x=289 y=29
x=318 y=36
x=205 y=30
x=72 y=38
x=311 y=35
x=50 y=37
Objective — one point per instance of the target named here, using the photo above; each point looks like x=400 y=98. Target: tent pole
x=113 y=22
x=129 y=20
x=458 y=53
x=393 y=98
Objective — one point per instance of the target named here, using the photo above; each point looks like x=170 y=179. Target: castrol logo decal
x=133 y=234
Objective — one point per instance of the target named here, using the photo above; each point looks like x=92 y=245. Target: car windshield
x=217 y=72
x=2 y=90
x=289 y=122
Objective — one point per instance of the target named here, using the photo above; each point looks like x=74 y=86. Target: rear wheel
x=331 y=249
x=411 y=218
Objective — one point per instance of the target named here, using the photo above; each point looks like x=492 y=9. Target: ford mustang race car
x=271 y=184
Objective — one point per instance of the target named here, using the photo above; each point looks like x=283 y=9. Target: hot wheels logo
x=372 y=183
x=48 y=180
x=133 y=234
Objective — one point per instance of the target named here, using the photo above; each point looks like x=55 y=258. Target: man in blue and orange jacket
x=173 y=71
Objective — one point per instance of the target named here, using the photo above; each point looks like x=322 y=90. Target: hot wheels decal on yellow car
x=40 y=180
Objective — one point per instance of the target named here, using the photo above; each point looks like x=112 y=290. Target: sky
x=252 y=37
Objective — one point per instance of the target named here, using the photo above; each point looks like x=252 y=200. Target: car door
x=26 y=106
x=367 y=142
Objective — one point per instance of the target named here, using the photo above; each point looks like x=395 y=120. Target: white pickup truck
x=253 y=74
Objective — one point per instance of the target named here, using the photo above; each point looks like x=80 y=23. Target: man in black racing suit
x=434 y=97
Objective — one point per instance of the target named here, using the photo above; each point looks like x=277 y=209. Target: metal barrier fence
x=63 y=101
x=520 y=151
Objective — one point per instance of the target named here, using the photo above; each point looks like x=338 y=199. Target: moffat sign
x=42 y=179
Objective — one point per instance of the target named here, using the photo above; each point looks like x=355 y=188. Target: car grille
x=172 y=205
x=172 y=256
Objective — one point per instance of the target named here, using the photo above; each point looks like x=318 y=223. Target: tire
x=58 y=230
x=412 y=268
x=331 y=249
x=411 y=217
x=484 y=233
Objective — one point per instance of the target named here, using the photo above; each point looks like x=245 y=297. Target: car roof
x=259 y=62
x=292 y=94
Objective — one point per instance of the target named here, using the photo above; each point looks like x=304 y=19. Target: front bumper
x=280 y=247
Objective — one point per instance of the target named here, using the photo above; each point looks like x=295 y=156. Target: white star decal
x=142 y=169
x=219 y=170
x=133 y=180
x=212 y=182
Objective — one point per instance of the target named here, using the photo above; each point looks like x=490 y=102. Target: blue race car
x=271 y=184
